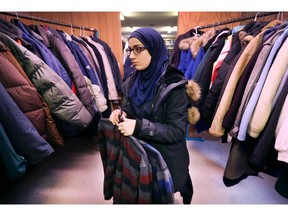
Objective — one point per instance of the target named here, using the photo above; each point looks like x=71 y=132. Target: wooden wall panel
x=103 y=25
x=93 y=19
x=108 y=25
x=189 y=20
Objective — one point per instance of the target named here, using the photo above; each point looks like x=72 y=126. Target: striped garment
x=163 y=190
x=134 y=171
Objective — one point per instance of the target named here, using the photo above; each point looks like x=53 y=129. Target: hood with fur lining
x=194 y=92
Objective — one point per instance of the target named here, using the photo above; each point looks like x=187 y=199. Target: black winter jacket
x=165 y=122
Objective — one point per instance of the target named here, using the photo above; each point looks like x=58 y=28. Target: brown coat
x=21 y=91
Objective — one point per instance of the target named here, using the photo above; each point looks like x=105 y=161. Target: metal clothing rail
x=259 y=14
x=47 y=21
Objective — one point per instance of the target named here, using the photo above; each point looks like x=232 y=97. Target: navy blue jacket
x=47 y=55
x=83 y=62
x=25 y=139
x=14 y=163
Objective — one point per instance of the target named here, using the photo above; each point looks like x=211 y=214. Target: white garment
x=97 y=95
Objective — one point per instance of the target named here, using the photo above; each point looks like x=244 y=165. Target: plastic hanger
x=196 y=32
x=256 y=16
x=84 y=33
x=71 y=28
x=17 y=17
x=280 y=14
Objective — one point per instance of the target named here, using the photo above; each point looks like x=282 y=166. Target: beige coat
x=264 y=107
x=216 y=128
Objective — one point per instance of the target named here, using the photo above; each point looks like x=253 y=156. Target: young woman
x=155 y=105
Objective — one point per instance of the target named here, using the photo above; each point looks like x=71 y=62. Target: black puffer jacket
x=163 y=122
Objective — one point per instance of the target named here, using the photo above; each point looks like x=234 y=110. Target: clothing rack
x=259 y=14
x=24 y=16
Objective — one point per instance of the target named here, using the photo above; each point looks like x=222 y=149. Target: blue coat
x=14 y=163
x=47 y=56
x=23 y=136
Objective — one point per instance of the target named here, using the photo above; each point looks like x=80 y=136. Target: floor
x=74 y=175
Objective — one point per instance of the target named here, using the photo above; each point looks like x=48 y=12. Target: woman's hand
x=115 y=116
x=127 y=126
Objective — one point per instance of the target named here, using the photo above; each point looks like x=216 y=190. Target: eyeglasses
x=136 y=50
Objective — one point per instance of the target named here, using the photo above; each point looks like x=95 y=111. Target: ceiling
x=164 y=22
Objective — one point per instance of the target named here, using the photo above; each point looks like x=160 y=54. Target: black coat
x=210 y=103
x=164 y=123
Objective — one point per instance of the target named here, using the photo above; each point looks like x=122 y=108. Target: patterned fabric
x=130 y=174
x=163 y=191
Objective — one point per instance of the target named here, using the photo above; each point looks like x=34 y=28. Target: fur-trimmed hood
x=194 y=92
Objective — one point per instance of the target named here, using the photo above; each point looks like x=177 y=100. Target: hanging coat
x=24 y=138
x=61 y=100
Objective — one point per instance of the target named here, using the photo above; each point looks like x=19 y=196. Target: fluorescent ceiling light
x=122 y=16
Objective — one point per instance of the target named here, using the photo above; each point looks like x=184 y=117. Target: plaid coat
x=134 y=171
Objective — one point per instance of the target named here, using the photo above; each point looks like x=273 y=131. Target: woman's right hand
x=114 y=116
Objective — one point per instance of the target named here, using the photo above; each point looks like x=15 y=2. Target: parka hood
x=173 y=75
x=194 y=92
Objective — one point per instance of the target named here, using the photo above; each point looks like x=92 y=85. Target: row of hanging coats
x=52 y=85
x=242 y=73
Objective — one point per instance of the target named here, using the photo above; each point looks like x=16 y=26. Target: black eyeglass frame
x=136 y=50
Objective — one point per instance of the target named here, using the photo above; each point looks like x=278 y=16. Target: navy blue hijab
x=144 y=86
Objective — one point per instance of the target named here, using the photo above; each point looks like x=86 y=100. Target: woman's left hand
x=127 y=126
